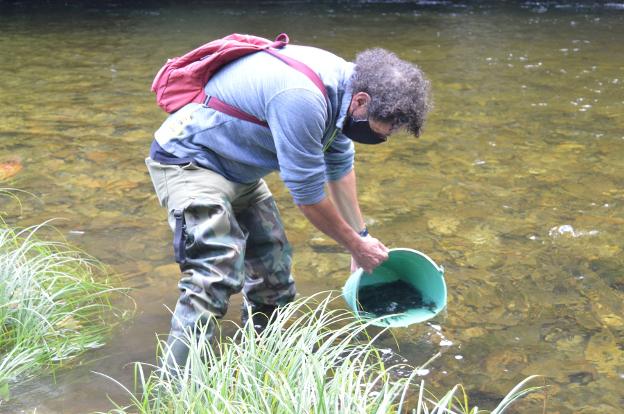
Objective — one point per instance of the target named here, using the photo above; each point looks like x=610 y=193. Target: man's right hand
x=369 y=253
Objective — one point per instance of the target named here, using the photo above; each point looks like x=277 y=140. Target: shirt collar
x=346 y=97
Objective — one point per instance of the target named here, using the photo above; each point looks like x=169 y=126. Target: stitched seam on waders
x=164 y=173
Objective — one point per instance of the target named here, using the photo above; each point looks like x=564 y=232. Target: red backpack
x=182 y=79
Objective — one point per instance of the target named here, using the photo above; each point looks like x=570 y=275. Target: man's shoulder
x=305 y=50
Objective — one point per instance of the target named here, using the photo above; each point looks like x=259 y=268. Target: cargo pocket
x=179 y=236
x=177 y=222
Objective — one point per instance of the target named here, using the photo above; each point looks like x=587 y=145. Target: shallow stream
x=516 y=187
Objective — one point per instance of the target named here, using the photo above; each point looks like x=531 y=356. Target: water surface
x=516 y=187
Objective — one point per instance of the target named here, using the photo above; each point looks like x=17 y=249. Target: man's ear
x=359 y=100
x=362 y=98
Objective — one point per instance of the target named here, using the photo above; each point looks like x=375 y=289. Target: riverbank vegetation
x=310 y=359
x=55 y=303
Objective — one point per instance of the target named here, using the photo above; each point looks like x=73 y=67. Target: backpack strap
x=301 y=67
x=220 y=106
x=281 y=40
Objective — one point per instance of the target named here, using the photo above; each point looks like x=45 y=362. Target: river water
x=516 y=187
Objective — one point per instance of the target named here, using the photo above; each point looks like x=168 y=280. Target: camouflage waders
x=228 y=237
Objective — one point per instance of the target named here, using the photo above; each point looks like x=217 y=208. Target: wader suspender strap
x=178 y=236
x=220 y=106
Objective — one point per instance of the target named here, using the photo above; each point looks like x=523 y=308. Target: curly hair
x=399 y=90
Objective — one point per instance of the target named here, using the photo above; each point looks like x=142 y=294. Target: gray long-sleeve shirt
x=300 y=122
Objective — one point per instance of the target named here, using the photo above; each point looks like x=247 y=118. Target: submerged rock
x=9 y=168
x=443 y=225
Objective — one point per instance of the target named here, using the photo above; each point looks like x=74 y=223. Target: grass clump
x=55 y=303
x=310 y=359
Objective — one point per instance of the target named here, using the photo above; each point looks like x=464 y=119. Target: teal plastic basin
x=410 y=266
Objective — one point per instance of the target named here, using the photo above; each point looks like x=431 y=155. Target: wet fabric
x=233 y=241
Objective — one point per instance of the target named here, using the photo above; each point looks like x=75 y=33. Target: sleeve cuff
x=309 y=199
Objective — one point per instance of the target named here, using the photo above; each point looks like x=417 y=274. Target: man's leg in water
x=209 y=246
x=268 y=257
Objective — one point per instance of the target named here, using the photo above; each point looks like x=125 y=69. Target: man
x=207 y=168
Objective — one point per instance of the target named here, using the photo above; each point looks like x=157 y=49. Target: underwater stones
x=602 y=350
x=324 y=245
x=563 y=333
x=455 y=194
x=492 y=388
x=9 y=168
x=604 y=250
x=596 y=409
x=570 y=344
x=474 y=332
x=122 y=185
x=581 y=377
x=482 y=235
x=553 y=368
x=97 y=156
x=504 y=363
x=587 y=320
x=167 y=271
x=310 y=265
x=484 y=259
x=136 y=270
x=606 y=306
x=135 y=135
x=52 y=164
x=84 y=181
x=519 y=305
x=497 y=315
x=569 y=147
x=612 y=321
x=443 y=225
x=610 y=271
x=296 y=236
x=370 y=194
x=534 y=402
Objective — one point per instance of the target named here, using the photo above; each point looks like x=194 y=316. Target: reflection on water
x=516 y=186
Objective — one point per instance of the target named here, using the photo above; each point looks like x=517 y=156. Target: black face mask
x=359 y=130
